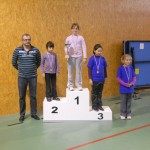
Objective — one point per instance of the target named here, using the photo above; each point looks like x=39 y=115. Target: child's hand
x=84 y=60
x=90 y=82
x=43 y=74
x=66 y=57
x=130 y=84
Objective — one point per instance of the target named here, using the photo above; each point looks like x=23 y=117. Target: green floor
x=36 y=135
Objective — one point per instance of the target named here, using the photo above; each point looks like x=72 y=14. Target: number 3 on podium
x=100 y=116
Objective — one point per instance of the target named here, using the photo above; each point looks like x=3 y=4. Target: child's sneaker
x=101 y=108
x=80 y=89
x=56 y=98
x=129 y=117
x=122 y=117
x=49 y=99
x=95 y=109
x=71 y=88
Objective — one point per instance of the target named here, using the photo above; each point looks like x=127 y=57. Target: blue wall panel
x=141 y=54
x=140 y=51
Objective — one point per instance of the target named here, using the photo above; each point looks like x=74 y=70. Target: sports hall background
x=108 y=22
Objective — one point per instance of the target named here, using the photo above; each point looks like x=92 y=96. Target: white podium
x=75 y=106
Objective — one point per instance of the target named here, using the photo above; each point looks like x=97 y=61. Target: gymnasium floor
x=83 y=135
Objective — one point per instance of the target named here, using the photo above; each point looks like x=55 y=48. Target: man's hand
x=43 y=74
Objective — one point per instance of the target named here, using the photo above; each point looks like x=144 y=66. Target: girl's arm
x=90 y=73
x=122 y=82
x=134 y=80
x=105 y=72
x=57 y=65
x=90 y=76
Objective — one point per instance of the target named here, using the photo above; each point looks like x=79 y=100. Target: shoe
x=122 y=117
x=129 y=117
x=96 y=109
x=80 y=89
x=101 y=108
x=71 y=88
x=49 y=99
x=21 y=119
x=56 y=98
x=35 y=117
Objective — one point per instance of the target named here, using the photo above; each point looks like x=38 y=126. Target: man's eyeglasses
x=26 y=39
x=75 y=28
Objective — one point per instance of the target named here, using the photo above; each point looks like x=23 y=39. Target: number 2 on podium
x=55 y=109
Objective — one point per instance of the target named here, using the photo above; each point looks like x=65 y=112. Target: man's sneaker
x=21 y=119
x=122 y=117
x=71 y=88
x=56 y=98
x=35 y=117
x=80 y=89
x=129 y=117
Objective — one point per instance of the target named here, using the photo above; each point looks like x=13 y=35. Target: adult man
x=26 y=59
x=75 y=46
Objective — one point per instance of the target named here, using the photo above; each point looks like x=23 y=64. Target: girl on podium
x=97 y=73
x=50 y=68
x=74 y=47
x=127 y=78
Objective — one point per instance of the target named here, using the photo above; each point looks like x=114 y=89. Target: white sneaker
x=71 y=88
x=129 y=117
x=122 y=117
x=80 y=89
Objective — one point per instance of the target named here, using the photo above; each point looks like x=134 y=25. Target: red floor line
x=108 y=137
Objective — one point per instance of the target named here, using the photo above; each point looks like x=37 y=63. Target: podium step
x=75 y=106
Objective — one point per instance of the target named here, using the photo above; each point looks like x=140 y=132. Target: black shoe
x=101 y=108
x=21 y=119
x=35 y=117
x=96 y=109
x=49 y=99
x=56 y=98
